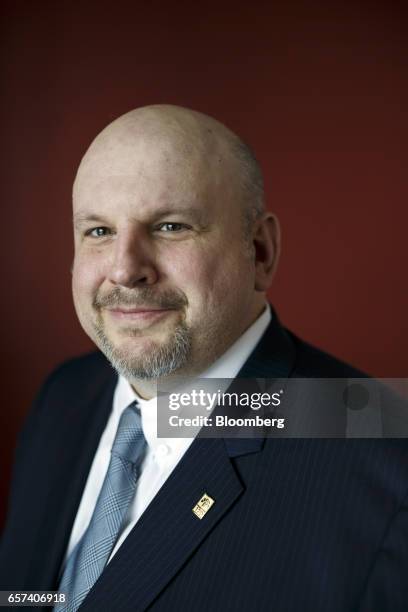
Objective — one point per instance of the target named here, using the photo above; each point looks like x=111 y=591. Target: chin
x=134 y=347
x=139 y=354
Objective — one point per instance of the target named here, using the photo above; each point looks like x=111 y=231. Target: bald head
x=176 y=138
x=168 y=271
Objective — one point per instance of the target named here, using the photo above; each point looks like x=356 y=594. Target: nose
x=132 y=260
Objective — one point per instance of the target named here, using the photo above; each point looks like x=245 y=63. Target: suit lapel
x=168 y=532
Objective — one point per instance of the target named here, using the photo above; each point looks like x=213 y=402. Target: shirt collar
x=226 y=367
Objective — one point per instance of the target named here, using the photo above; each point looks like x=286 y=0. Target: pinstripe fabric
x=317 y=525
x=89 y=557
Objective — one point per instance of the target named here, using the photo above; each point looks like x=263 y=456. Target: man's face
x=162 y=278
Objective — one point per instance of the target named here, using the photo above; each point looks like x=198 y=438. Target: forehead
x=145 y=172
x=128 y=198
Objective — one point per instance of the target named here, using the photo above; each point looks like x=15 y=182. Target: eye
x=97 y=232
x=172 y=227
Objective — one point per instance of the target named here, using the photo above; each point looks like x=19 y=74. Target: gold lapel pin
x=203 y=505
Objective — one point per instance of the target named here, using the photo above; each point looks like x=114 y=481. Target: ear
x=266 y=241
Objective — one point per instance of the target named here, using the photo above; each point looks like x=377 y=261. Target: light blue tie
x=89 y=557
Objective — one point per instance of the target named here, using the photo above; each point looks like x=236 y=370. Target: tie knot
x=129 y=443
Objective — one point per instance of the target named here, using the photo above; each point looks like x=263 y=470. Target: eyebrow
x=197 y=215
x=84 y=217
x=194 y=214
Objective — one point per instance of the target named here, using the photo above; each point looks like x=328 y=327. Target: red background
x=318 y=88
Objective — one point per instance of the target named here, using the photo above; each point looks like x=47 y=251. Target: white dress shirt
x=162 y=454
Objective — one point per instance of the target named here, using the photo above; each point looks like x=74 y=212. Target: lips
x=137 y=310
x=138 y=314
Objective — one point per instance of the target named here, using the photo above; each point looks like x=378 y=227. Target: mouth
x=138 y=314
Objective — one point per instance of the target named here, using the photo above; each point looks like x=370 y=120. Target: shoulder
x=80 y=379
x=311 y=361
x=280 y=353
x=79 y=371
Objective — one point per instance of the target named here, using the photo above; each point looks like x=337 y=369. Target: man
x=174 y=252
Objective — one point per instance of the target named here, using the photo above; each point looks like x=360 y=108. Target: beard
x=161 y=359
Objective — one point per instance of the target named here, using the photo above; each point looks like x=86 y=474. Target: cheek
x=209 y=278
x=192 y=270
x=86 y=278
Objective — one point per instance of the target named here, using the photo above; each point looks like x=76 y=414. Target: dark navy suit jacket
x=298 y=525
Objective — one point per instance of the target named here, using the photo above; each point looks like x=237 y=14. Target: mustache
x=142 y=297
